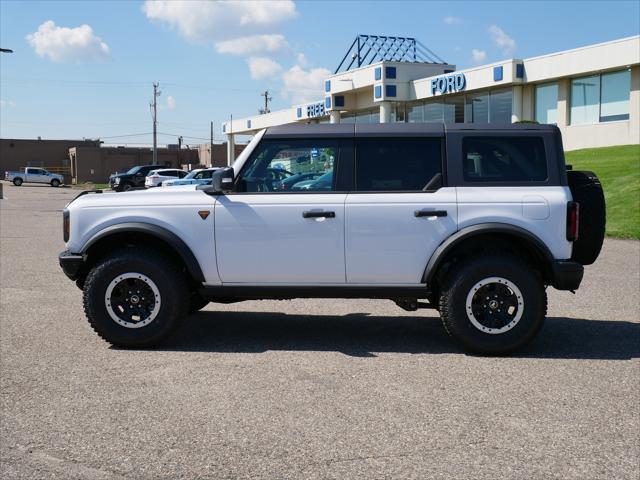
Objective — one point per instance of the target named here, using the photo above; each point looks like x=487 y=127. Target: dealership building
x=591 y=93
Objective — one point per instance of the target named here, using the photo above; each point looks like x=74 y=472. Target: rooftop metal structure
x=367 y=49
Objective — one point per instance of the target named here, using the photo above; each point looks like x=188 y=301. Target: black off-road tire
x=170 y=281
x=17 y=182
x=55 y=183
x=587 y=191
x=461 y=280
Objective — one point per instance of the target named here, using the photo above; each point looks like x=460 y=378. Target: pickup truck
x=34 y=175
x=476 y=222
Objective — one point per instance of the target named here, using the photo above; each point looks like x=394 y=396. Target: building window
x=477 y=108
x=547 y=103
x=500 y=106
x=390 y=72
x=585 y=100
x=434 y=112
x=614 y=102
x=415 y=112
x=454 y=109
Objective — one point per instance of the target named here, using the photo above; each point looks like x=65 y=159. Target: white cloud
x=303 y=85
x=252 y=44
x=451 y=20
x=63 y=44
x=219 y=20
x=302 y=60
x=263 y=67
x=171 y=102
x=478 y=56
x=503 y=41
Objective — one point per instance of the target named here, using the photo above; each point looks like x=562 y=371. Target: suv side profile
x=473 y=221
x=132 y=178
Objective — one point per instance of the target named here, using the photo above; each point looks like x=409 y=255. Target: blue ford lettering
x=448 y=84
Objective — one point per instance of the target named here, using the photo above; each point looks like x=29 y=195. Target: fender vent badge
x=203 y=214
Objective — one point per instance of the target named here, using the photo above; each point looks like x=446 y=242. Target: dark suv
x=133 y=178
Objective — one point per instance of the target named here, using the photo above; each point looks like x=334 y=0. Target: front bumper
x=566 y=274
x=71 y=264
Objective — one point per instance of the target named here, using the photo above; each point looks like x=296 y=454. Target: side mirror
x=222 y=180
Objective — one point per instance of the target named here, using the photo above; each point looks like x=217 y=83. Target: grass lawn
x=618 y=168
x=91 y=186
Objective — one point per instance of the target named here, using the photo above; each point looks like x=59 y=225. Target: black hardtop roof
x=293 y=130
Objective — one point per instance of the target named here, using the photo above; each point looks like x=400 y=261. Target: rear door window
x=397 y=164
x=504 y=159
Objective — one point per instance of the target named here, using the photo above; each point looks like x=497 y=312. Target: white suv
x=474 y=222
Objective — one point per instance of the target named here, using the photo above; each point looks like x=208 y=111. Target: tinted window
x=504 y=159
x=396 y=164
x=277 y=160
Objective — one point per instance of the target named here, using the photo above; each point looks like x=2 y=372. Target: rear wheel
x=126 y=187
x=55 y=183
x=493 y=305
x=17 y=182
x=135 y=298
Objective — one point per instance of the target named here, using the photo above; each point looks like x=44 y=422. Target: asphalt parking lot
x=308 y=388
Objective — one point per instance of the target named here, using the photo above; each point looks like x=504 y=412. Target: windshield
x=192 y=174
x=134 y=170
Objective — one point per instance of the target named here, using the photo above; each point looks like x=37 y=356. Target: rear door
x=399 y=211
x=267 y=236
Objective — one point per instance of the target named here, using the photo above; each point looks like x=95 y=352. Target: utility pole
x=267 y=99
x=179 y=150
x=154 y=114
x=211 y=147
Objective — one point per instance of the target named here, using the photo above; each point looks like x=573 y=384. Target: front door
x=399 y=212
x=276 y=230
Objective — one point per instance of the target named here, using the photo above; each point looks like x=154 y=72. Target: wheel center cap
x=493 y=304
x=135 y=299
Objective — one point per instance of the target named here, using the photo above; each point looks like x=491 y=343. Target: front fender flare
x=474 y=230
x=181 y=248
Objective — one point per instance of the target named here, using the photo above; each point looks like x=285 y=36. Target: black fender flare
x=474 y=230
x=181 y=248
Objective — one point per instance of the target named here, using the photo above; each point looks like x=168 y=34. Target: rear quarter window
x=491 y=159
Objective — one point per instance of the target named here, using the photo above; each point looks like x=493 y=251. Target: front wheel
x=135 y=298
x=17 y=182
x=55 y=183
x=493 y=305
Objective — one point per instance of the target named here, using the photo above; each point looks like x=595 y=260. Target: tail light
x=66 y=225
x=573 y=220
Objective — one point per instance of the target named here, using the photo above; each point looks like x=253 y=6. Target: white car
x=156 y=177
x=201 y=176
x=472 y=221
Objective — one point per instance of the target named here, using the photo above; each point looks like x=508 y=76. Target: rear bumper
x=71 y=264
x=566 y=274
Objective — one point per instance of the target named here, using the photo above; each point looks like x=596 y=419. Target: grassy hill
x=619 y=171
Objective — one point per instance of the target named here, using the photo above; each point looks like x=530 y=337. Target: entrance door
x=285 y=222
x=399 y=212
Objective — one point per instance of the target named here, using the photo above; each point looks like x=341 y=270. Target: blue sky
x=214 y=59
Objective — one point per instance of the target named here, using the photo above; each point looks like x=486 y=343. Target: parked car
x=34 y=175
x=134 y=178
x=156 y=177
x=323 y=182
x=289 y=182
x=477 y=231
x=201 y=176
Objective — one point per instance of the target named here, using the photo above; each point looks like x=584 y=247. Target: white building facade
x=592 y=93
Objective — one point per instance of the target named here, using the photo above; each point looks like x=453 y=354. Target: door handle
x=316 y=214
x=430 y=213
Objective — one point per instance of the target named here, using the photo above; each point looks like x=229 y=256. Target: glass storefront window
x=614 y=104
x=363 y=117
x=585 y=100
x=433 y=112
x=454 y=109
x=415 y=112
x=500 y=106
x=547 y=103
x=348 y=118
x=477 y=108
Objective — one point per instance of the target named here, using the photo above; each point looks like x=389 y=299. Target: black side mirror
x=222 y=180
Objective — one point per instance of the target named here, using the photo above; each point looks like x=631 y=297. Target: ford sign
x=448 y=84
